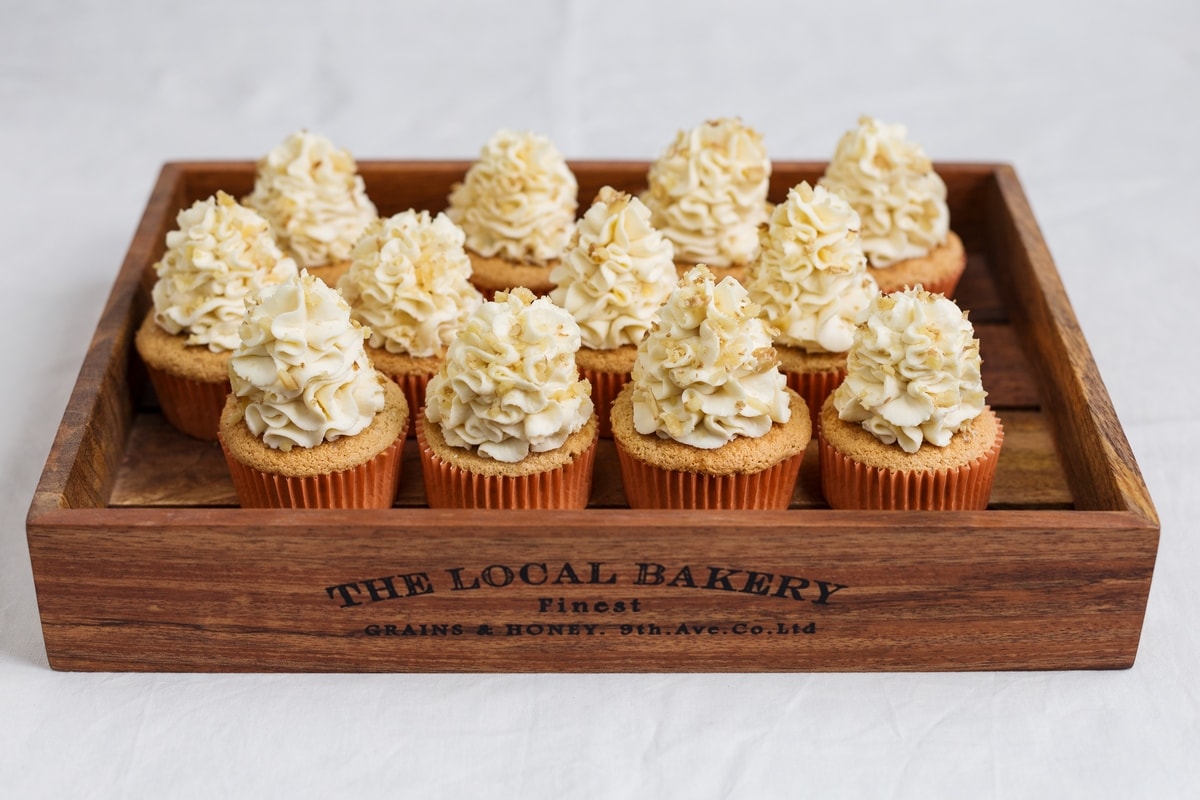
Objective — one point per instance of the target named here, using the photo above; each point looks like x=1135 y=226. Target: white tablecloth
x=1097 y=109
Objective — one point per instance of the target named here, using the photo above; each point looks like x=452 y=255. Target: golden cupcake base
x=932 y=479
x=457 y=478
x=191 y=382
x=745 y=473
x=358 y=471
x=368 y=485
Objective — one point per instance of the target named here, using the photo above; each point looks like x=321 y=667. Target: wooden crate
x=143 y=561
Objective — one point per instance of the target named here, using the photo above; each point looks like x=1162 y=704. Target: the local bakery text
x=565 y=574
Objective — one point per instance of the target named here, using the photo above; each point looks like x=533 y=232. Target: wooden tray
x=142 y=560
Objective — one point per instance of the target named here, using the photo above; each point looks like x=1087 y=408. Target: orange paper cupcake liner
x=648 y=486
x=190 y=406
x=814 y=387
x=848 y=484
x=605 y=388
x=413 y=386
x=371 y=484
x=450 y=486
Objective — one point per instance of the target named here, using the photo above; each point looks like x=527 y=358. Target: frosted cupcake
x=309 y=423
x=616 y=274
x=517 y=207
x=810 y=279
x=708 y=195
x=311 y=193
x=707 y=420
x=409 y=284
x=901 y=200
x=220 y=253
x=508 y=423
x=908 y=428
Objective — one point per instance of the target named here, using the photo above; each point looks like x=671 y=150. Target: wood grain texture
x=920 y=591
x=142 y=561
x=1102 y=471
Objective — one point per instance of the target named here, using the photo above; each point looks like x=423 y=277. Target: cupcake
x=614 y=277
x=891 y=183
x=516 y=206
x=810 y=280
x=707 y=420
x=220 y=254
x=409 y=284
x=309 y=423
x=708 y=194
x=315 y=200
x=908 y=427
x=508 y=423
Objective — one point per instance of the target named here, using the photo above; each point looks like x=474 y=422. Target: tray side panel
x=236 y=591
x=1101 y=468
x=81 y=467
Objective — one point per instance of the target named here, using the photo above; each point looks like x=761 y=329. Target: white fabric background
x=1096 y=104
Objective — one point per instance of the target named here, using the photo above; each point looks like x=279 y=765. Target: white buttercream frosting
x=509 y=385
x=707 y=372
x=891 y=183
x=708 y=192
x=409 y=282
x=518 y=199
x=311 y=193
x=913 y=371
x=810 y=277
x=301 y=373
x=219 y=254
x=617 y=272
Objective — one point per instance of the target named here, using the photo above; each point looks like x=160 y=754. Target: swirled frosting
x=890 y=182
x=708 y=192
x=810 y=277
x=314 y=198
x=409 y=283
x=301 y=373
x=707 y=372
x=509 y=385
x=220 y=253
x=518 y=199
x=913 y=371
x=617 y=272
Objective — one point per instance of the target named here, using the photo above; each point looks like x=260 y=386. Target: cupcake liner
x=450 y=486
x=648 y=486
x=413 y=386
x=814 y=387
x=193 y=407
x=848 y=484
x=371 y=484
x=605 y=388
